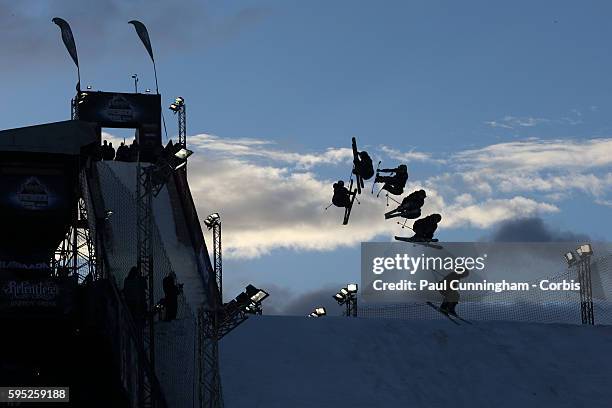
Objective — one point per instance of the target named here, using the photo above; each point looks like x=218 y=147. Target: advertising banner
x=37 y=296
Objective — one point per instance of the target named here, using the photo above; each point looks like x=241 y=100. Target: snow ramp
x=277 y=361
x=177 y=245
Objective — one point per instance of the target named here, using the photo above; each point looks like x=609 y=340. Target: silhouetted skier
x=363 y=165
x=451 y=296
x=425 y=228
x=410 y=206
x=393 y=184
x=171 y=292
x=342 y=196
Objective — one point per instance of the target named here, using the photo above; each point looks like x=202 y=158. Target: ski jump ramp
x=173 y=249
x=277 y=361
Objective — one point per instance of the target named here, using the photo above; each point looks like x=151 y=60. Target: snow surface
x=277 y=361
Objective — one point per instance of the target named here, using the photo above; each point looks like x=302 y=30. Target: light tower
x=583 y=264
x=213 y=222
x=178 y=107
x=348 y=296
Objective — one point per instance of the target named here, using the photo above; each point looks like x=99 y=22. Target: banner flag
x=68 y=38
x=142 y=32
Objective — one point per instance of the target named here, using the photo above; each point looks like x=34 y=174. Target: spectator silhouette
x=171 y=291
x=122 y=153
x=111 y=151
x=134 y=293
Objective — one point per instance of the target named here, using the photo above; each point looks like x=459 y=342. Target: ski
x=424 y=243
x=356 y=159
x=455 y=315
x=444 y=313
x=347 y=211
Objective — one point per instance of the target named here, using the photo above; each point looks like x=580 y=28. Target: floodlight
x=351 y=287
x=256 y=295
x=253 y=308
x=584 y=250
x=212 y=220
x=147 y=90
x=176 y=105
x=313 y=314
x=134 y=76
x=88 y=86
x=183 y=153
x=570 y=258
x=339 y=298
x=344 y=291
x=320 y=311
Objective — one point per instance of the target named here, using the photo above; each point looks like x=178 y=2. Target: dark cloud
x=533 y=229
x=100 y=27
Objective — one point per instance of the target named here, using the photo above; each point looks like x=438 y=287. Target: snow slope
x=118 y=183
x=175 y=342
x=276 y=361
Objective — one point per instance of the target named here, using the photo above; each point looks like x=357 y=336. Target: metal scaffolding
x=586 y=290
x=144 y=225
x=76 y=256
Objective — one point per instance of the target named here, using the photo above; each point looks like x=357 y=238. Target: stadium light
x=183 y=153
x=570 y=258
x=256 y=295
x=584 y=250
x=348 y=296
x=212 y=220
x=318 y=312
x=177 y=104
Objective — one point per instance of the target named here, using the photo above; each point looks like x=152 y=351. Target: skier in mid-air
x=342 y=196
x=393 y=184
x=425 y=228
x=363 y=165
x=410 y=207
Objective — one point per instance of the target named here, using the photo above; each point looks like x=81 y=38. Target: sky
x=501 y=110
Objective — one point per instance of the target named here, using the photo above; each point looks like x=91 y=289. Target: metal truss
x=586 y=290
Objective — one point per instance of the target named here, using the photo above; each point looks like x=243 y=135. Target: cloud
x=512 y=122
x=515 y=122
x=257 y=148
x=409 y=156
x=280 y=203
x=537 y=154
x=28 y=34
x=551 y=167
x=533 y=229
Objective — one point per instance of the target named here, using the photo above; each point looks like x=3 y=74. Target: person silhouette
x=410 y=206
x=342 y=196
x=395 y=183
x=425 y=228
